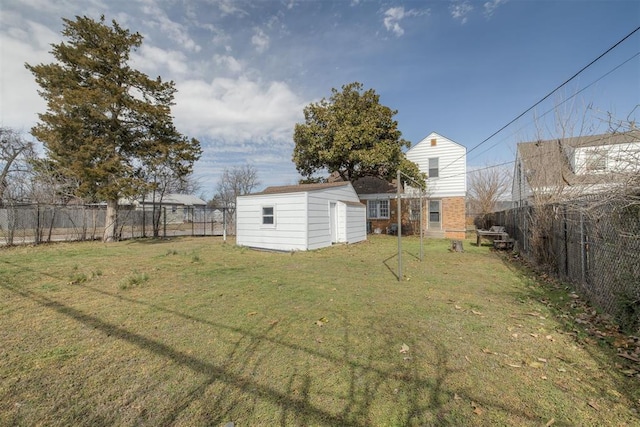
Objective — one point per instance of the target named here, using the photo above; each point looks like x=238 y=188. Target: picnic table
x=496 y=233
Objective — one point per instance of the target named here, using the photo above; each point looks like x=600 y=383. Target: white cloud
x=491 y=6
x=260 y=40
x=461 y=11
x=154 y=61
x=174 y=30
x=237 y=110
x=228 y=62
x=393 y=16
x=22 y=41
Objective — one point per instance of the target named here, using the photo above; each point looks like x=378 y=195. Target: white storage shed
x=300 y=217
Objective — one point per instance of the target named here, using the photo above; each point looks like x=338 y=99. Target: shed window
x=433 y=167
x=378 y=209
x=268 y=217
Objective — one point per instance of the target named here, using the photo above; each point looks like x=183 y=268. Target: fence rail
x=34 y=224
x=596 y=248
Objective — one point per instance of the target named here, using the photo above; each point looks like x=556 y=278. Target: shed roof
x=300 y=188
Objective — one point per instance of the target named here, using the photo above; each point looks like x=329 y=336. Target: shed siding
x=289 y=232
x=302 y=219
x=319 y=215
x=452 y=165
x=356 y=227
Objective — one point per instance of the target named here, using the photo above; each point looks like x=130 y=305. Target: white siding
x=356 y=222
x=620 y=158
x=452 y=165
x=318 y=216
x=289 y=231
x=302 y=219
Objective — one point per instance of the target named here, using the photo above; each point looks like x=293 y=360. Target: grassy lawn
x=193 y=331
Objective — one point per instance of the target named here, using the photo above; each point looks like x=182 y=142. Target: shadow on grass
x=395 y=272
x=555 y=296
x=365 y=376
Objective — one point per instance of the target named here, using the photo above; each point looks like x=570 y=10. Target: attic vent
x=433 y=142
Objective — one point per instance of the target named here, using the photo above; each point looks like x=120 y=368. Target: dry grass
x=193 y=331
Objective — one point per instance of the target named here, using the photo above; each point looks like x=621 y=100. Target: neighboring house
x=445 y=163
x=569 y=168
x=300 y=217
x=179 y=208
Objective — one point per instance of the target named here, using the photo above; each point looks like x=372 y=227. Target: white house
x=445 y=163
x=178 y=208
x=300 y=217
x=568 y=168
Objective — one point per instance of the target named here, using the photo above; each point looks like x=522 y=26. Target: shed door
x=333 y=222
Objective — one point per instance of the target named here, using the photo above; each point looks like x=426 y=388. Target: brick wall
x=453 y=217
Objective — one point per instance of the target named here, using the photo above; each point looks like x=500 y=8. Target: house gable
x=438 y=155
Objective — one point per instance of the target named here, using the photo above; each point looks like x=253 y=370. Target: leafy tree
x=106 y=124
x=353 y=135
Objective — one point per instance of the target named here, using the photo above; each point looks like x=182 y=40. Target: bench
x=496 y=232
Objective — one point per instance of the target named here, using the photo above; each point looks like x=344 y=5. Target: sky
x=245 y=69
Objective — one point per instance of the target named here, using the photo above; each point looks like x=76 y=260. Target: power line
x=569 y=98
x=549 y=94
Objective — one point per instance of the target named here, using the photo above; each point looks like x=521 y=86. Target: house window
x=378 y=209
x=434 y=142
x=434 y=211
x=268 y=217
x=433 y=168
x=596 y=160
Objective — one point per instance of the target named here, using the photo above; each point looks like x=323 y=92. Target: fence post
x=582 y=250
x=565 y=232
x=164 y=222
x=224 y=224
x=36 y=236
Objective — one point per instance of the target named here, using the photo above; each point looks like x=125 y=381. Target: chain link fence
x=595 y=247
x=36 y=223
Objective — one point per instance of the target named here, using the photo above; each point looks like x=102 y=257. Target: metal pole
x=164 y=221
x=582 y=250
x=421 y=241
x=224 y=224
x=399 y=213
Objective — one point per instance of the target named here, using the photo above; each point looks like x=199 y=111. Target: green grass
x=193 y=331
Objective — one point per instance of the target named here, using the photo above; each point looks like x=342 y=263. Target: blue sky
x=245 y=70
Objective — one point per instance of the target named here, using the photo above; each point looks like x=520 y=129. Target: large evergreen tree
x=353 y=135
x=106 y=124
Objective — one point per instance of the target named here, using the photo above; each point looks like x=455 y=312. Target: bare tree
x=486 y=187
x=235 y=182
x=570 y=164
x=15 y=156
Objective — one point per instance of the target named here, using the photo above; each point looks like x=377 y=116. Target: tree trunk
x=110 y=223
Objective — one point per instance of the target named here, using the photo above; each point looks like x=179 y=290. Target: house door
x=435 y=214
x=333 y=222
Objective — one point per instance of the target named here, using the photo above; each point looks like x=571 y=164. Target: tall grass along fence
x=595 y=247
x=37 y=223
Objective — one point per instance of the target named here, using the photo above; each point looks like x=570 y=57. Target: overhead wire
x=546 y=96
x=564 y=101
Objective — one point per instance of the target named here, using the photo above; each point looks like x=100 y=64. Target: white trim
x=263 y=216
